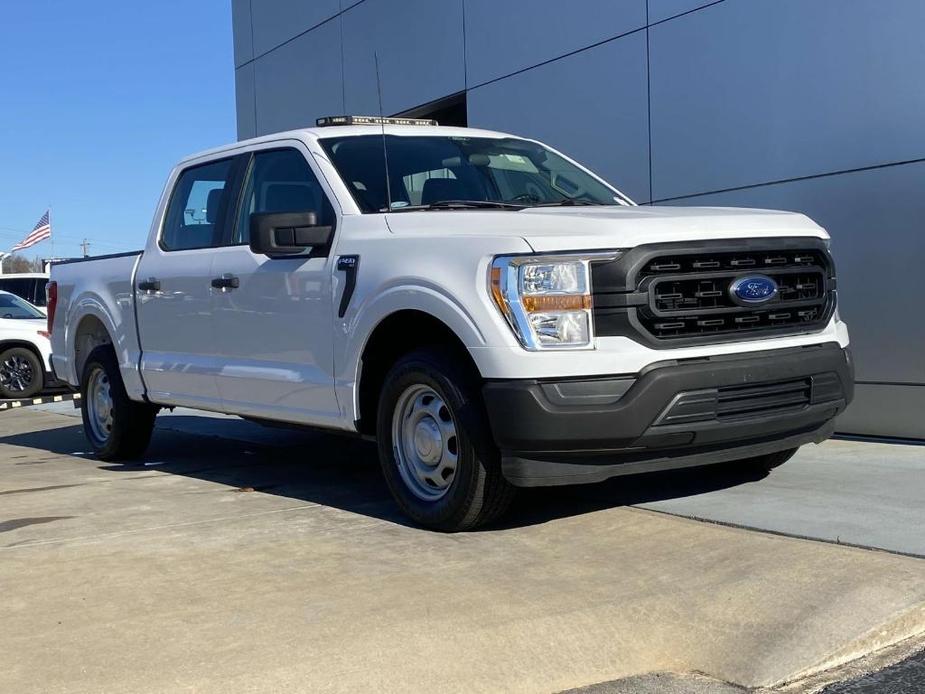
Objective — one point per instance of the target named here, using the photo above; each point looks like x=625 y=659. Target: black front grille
x=675 y=294
x=736 y=402
x=730 y=403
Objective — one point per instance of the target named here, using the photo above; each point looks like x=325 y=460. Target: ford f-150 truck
x=492 y=313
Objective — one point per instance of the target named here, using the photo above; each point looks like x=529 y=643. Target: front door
x=174 y=297
x=275 y=326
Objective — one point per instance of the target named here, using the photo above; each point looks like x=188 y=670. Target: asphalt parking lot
x=236 y=558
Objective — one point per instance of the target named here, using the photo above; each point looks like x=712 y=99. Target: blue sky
x=97 y=101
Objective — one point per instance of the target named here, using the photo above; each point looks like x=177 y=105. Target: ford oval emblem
x=752 y=289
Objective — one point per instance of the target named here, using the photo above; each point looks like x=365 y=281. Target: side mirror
x=284 y=234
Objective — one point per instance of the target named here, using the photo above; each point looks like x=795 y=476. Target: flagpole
x=51 y=234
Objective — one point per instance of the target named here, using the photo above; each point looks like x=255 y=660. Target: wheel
x=435 y=445
x=117 y=427
x=21 y=373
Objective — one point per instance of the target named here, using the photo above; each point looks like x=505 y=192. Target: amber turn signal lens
x=496 y=288
x=556 y=302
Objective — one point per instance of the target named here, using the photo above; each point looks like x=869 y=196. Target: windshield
x=11 y=306
x=427 y=171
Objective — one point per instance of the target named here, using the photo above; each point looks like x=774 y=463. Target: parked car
x=491 y=312
x=25 y=351
x=27 y=285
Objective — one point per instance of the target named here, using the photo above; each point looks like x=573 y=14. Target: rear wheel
x=434 y=444
x=118 y=428
x=21 y=373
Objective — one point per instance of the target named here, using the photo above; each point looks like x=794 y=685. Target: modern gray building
x=809 y=105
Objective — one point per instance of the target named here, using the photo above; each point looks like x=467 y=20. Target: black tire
x=22 y=374
x=478 y=492
x=132 y=422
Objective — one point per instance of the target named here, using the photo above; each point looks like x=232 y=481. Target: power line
x=10 y=232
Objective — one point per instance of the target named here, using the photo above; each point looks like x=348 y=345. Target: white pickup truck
x=494 y=314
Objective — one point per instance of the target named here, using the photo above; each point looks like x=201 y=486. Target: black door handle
x=226 y=281
x=150 y=285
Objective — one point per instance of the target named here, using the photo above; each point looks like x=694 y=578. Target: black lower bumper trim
x=672 y=414
x=526 y=472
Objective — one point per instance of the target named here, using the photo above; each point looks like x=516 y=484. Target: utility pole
x=85 y=246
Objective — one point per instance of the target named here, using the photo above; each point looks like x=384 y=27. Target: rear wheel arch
x=396 y=335
x=91 y=333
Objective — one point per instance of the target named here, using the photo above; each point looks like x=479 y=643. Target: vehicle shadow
x=343 y=472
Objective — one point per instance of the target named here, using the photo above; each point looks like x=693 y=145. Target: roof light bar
x=371 y=120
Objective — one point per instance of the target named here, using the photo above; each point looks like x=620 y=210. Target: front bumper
x=672 y=414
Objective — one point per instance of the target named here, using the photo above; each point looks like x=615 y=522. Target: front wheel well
x=395 y=336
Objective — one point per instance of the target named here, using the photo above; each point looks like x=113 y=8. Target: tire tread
x=133 y=422
x=489 y=494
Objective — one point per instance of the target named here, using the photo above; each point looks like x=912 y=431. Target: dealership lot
x=240 y=558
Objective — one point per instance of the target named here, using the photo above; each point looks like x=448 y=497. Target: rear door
x=275 y=325
x=180 y=355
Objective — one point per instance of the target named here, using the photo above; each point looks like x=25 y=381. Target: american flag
x=40 y=232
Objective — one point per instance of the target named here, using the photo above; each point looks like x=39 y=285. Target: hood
x=553 y=229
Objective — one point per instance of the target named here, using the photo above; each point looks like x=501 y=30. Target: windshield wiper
x=568 y=202
x=458 y=205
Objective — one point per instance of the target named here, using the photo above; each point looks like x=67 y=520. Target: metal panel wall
x=504 y=36
x=746 y=92
x=811 y=106
x=300 y=80
x=245 y=101
x=277 y=21
x=241 y=27
x=420 y=47
x=660 y=10
x=548 y=104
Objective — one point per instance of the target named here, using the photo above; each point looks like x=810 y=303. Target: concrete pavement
x=857 y=493
x=868 y=494
x=165 y=575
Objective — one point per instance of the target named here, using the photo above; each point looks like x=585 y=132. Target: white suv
x=25 y=351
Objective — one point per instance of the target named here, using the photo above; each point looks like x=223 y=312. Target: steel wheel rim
x=425 y=442
x=16 y=374
x=99 y=405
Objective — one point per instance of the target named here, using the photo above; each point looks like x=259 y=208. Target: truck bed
x=93 y=259
x=99 y=289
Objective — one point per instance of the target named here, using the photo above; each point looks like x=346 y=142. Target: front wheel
x=435 y=447
x=21 y=373
x=118 y=428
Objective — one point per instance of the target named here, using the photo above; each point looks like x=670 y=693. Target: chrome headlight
x=546 y=299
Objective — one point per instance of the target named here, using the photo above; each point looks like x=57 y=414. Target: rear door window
x=198 y=205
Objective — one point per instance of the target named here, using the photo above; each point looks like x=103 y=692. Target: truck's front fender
x=431 y=300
